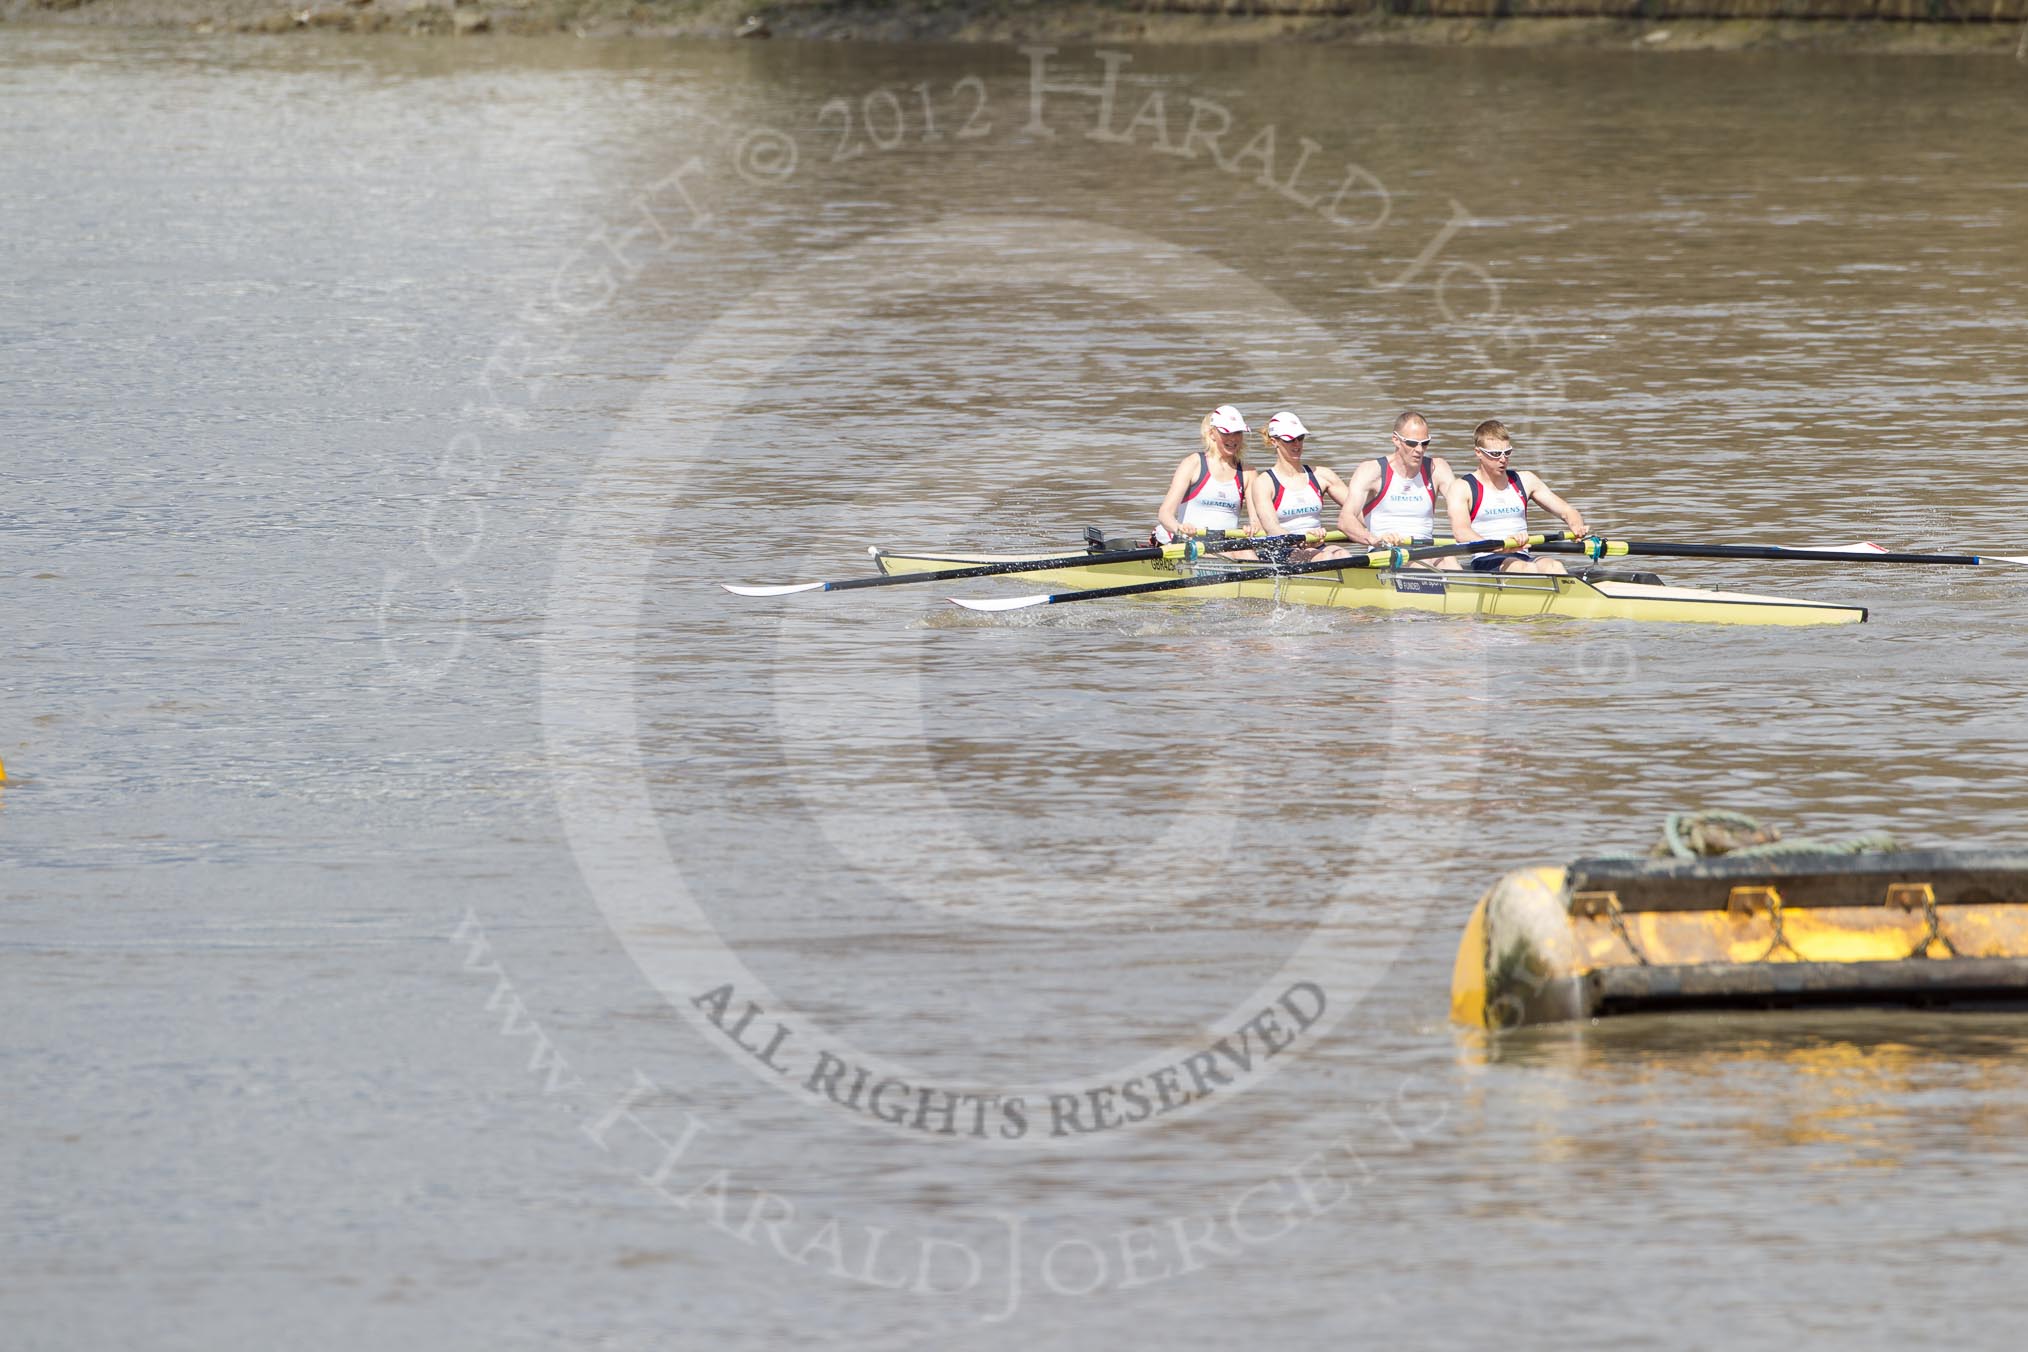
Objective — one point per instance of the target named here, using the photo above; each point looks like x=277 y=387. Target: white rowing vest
x=1402 y=505
x=1499 y=513
x=1299 y=506
x=1211 y=505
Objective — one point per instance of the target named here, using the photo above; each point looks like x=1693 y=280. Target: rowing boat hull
x=1513 y=595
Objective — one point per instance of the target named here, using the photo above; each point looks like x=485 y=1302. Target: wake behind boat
x=1594 y=594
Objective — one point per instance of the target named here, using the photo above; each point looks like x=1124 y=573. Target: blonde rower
x=1491 y=503
x=1208 y=489
x=1289 y=496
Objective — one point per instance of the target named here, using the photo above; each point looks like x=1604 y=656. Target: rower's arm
x=1441 y=476
x=1179 y=484
x=1351 y=520
x=1539 y=493
x=1458 y=504
x=1260 y=501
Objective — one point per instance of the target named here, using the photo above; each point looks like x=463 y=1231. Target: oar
x=1596 y=548
x=1211 y=542
x=1386 y=558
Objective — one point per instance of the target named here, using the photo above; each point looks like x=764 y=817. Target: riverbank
x=1997 y=33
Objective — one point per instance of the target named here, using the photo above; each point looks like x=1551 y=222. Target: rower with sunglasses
x=1393 y=498
x=1491 y=503
x=1288 y=497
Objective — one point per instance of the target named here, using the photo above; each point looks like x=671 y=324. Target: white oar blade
x=784 y=589
x=1869 y=547
x=1001 y=603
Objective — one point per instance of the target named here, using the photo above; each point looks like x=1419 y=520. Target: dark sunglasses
x=1500 y=454
x=1410 y=441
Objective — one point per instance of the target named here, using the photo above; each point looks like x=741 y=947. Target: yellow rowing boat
x=1598 y=596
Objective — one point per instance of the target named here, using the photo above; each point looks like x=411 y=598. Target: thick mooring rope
x=1717 y=831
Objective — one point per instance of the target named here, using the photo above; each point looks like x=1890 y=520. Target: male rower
x=1491 y=503
x=1393 y=497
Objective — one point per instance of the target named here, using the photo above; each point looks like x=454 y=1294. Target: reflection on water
x=315 y=349
x=1819 y=1092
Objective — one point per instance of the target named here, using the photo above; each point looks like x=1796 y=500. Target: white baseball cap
x=1226 y=419
x=1286 y=425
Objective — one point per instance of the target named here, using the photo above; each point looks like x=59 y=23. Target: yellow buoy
x=1622 y=936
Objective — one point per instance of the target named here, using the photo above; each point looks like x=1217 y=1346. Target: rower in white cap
x=1289 y=496
x=1208 y=489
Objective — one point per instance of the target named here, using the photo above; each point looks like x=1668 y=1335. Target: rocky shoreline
x=1011 y=20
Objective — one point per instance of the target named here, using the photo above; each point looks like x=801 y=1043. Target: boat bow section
x=1618 y=936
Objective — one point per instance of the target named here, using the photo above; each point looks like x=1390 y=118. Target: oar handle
x=1396 y=557
x=1386 y=558
x=1227 y=539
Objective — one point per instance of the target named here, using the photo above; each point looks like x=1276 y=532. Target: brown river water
x=438 y=915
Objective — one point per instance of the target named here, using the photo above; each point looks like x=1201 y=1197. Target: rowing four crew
x=1395 y=494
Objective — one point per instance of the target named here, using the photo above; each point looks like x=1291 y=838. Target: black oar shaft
x=1209 y=542
x=1004 y=566
x=1667 y=549
x=1214 y=544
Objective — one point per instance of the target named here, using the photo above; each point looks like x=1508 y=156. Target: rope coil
x=1710 y=832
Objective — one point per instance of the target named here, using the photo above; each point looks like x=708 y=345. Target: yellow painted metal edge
x=1528 y=947
x=1468 y=972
